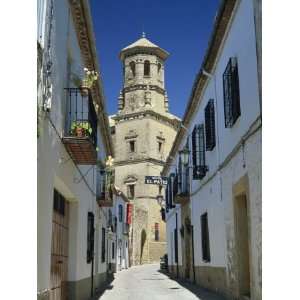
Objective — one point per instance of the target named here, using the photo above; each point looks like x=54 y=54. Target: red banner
x=129 y=213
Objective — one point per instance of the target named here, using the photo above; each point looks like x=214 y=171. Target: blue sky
x=181 y=27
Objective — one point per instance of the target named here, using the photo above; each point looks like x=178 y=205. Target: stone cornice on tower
x=170 y=119
x=143 y=45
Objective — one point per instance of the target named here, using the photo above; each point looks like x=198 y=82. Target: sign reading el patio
x=159 y=180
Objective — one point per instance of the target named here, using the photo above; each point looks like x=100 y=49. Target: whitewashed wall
x=170 y=226
x=213 y=194
x=56 y=170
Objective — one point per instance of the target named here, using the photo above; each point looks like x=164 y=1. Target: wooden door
x=242 y=244
x=59 y=248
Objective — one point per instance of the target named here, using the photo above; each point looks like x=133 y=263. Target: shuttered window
x=113 y=250
x=198 y=152
x=205 y=238
x=171 y=190
x=167 y=196
x=59 y=202
x=90 y=237
x=103 y=245
x=180 y=173
x=175 y=185
x=231 y=93
x=120 y=213
x=210 y=133
x=176 y=245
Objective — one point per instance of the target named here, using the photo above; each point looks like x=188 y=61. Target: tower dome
x=143 y=45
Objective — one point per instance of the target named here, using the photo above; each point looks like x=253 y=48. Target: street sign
x=158 y=180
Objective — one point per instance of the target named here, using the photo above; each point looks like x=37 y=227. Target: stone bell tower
x=143 y=132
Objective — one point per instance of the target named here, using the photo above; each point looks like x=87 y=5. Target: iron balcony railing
x=80 y=113
x=101 y=184
x=183 y=186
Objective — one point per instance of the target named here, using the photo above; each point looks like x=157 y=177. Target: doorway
x=59 y=248
x=242 y=245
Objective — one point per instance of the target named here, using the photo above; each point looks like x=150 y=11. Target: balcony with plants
x=105 y=184
x=80 y=132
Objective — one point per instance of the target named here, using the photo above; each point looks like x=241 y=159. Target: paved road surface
x=147 y=283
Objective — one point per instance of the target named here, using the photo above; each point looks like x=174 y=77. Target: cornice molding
x=152 y=87
x=83 y=26
x=175 y=123
x=138 y=161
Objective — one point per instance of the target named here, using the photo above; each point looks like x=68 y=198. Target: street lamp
x=185 y=154
x=160 y=200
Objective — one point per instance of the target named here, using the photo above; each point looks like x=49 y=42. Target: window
x=120 y=213
x=205 y=238
x=132 y=146
x=198 y=152
x=147 y=68
x=231 y=93
x=170 y=192
x=59 y=202
x=159 y=147
x=176 y=245
x=90 y=237
x=210 y=125
x=110 y=218
x=103 y=245
x=180 y=173
x=130 y=191
x=132 y=68
x=156 y=231
x=113 y=250
x=101 y=185
x=112 y=129
x=158 y=68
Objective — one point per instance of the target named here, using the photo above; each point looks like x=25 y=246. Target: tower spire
x=143 y=34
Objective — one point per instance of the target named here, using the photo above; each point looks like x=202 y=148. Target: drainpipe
x=92 y=267
x=192 y=229
x=177 y=246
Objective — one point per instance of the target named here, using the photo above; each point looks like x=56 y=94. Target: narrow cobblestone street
x=147 y=282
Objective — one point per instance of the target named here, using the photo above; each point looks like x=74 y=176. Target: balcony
x=80 y=135
x=104 y=190
x=181 y=191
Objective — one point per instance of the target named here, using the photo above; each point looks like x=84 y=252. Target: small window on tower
x=158 y=68
x=159 y=147
x=156 y=232
x=130 y=191
x=132 y=146
x=132 y=68
x=147 y=68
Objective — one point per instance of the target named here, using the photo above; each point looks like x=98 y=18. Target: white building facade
x=213 y=209
x=72 y=226
x=118 y=243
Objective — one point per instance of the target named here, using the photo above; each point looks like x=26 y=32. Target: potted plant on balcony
x=87 y=82
x=81 y=129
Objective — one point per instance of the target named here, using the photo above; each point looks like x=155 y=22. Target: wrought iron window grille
x=210 y=131
x=231 y=93
x=198 y=152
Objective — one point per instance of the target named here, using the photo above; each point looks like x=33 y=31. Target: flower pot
x=80 y=132
x=84 y=91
